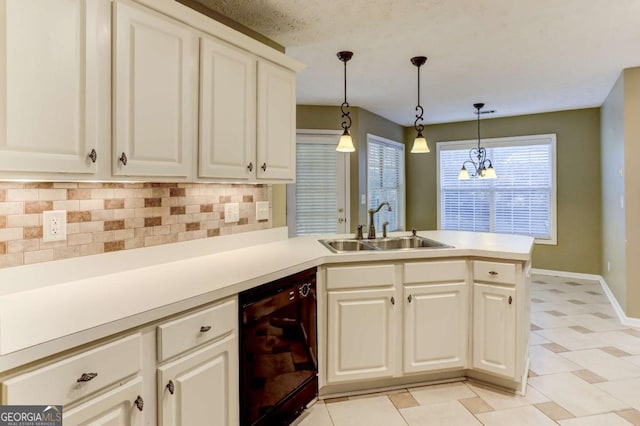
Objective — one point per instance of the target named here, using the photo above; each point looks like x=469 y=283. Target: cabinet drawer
x=494 y=272
x=360 y=276
x=193 y=330
x=62 y=382
x=426 y=272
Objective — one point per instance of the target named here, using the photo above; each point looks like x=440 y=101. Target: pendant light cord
x=346 y=124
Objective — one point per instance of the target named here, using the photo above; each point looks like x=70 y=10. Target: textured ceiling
x=516 y=56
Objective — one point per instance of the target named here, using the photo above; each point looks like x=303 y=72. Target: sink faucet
x=372 y=229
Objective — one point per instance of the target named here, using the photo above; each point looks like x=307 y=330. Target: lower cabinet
x=121 y=406
x=110 y=384
x=400 y=319
x=201 y=388
x=435 y=328
x=494 y=329
x=361 y=334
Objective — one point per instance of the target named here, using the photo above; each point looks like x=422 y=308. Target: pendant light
x=346 y=142
x=419 y=143
x=482 y=167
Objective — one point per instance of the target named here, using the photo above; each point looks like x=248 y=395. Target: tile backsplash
x=104 y=217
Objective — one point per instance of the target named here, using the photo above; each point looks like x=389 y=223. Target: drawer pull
x=139 y=403
x=171 y=387
x=93 y=155
x=205 y=328
x=123 y=158
x=264 y=167
x=494 y=273
x=250 y=167
x=393 y=300
x=510 y=299
x=409 y=298
x=87 y=377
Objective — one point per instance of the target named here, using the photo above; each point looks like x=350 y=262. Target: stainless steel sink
x=341 y=246
x=391 y=243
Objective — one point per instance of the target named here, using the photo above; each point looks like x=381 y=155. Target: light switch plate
x=262 y=210
x=231 y=212
x=54 y=225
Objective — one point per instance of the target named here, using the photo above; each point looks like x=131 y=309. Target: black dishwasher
x=278 y=350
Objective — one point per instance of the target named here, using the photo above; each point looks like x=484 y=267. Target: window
x=522 y=200
x=317 y=202
x=385 y=181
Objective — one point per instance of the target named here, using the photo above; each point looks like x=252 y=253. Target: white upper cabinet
x=155 y=94
x=227 y=143
x=276 y=122
x=54 y=87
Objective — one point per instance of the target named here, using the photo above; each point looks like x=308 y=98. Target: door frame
x=344 y=168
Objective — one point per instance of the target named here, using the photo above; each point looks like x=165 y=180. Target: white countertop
x=49 y=307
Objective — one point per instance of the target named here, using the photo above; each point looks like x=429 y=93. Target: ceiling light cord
x=346 y=124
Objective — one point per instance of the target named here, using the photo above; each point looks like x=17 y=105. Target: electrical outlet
x=54 y=225
x=262 y=210
x=231 y=212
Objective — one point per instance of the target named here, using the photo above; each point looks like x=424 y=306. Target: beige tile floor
x=585 y=370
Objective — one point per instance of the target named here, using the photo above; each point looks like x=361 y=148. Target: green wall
x=578 y=181
x=363 y=122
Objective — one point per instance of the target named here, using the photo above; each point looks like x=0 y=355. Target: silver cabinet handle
x=205 y=328
x=123 y=158
x=393 y=300
x=264 y=167
x=494 y=273
x=171 y=387
x=86 y=377
x=510 y=299
x=139 y=403
x=250 y=167
x=93 y=155
x=409 y=298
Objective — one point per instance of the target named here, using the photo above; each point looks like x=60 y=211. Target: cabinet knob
x=250 y=167
x=123 y=158
x=494 y=273
x=205 y=328
x=86 y=377
x=264 y=167
x=409 y=298
x=393 y=300
x=139 y=403
x=93 y=155
x=510 y=299
x=171 y=387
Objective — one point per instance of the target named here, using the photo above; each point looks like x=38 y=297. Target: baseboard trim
x=622 y=317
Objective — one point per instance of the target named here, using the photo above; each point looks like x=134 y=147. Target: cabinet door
x=494 y=333
x=361 y=334
x=54 y=85
x=227 y=139
x=155 y=94
x=204 y=385
x=117 y=407
x=435 y=327
x=276 y=122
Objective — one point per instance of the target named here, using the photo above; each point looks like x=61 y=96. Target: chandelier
x=478 y=162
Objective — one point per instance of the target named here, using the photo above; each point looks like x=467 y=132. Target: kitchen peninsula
x=385 y=318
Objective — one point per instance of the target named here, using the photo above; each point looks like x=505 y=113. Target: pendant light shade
x=420 y=142
x=346 y=142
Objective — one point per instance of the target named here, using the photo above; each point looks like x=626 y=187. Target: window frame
x=402 y=196
x=549 y=138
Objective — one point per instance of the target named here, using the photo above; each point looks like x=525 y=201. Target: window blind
x=316 y=188
x=520 y=201
x=385 y=181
